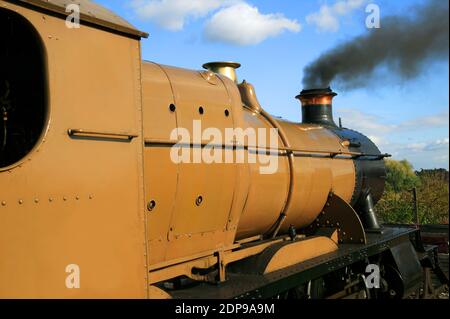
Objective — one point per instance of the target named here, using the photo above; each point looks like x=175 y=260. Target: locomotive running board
x=269 y=285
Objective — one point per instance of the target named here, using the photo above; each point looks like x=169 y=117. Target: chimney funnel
x=227 y=69
x=317 y=106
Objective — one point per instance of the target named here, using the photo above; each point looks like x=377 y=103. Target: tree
x=433 y=196
x=397 y=206
x=400 y=176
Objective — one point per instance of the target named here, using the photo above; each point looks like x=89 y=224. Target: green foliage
x=397 y=204
x=400 y=176
x=433 y=197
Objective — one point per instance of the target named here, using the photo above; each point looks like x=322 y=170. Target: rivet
x=3 y=203
x=199 y=201
x=91 y=196
x=20 y=201
x=151 y=205
x=77 y=198
x=36 y=200
x=64 y=198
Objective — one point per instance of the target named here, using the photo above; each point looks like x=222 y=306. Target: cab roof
x=90 y=12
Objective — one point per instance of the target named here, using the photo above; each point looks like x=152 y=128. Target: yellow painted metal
x=78 y=201
x=184 y=266
x=102 y=192
x=267 y=195
x=316 y=176
x=90 y=12
x=227 y=69
x=338 y=214
x=185 y=269
x=249 y=98
x=177 y=226
x=300 y=251
x=157 y=293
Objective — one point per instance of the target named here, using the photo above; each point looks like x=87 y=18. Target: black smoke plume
x=403 y=45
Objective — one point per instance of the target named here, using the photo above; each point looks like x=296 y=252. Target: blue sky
x=409 y=119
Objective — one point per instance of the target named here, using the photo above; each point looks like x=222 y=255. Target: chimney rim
x=222 y=64
x=316 y=92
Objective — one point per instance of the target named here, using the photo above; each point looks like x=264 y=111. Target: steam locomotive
x=93 y=204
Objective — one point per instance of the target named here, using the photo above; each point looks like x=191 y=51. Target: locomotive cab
x=23 y=88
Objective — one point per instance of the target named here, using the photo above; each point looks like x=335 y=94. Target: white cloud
x=428 y=154
x=243 y=24
x=437 y=145
x=441 y=159
x=327 y=18
x=233 y=21
x=373 y=125
x=432 y=121
x=173 y=14
x=423 y=153
x=370 y=124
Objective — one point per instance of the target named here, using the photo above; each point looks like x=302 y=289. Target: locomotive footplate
x=251 y=286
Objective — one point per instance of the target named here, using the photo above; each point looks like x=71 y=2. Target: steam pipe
x=292 y=182
x=367 y=213
x=250 y=100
